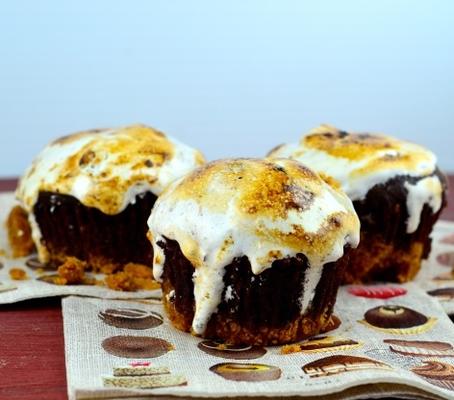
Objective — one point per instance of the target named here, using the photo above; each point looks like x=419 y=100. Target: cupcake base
x=377 y=260
x=260 y=309
x=386 y=251
x=230 y=331
x=105 y=242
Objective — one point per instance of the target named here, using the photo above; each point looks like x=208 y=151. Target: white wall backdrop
x=233 y=78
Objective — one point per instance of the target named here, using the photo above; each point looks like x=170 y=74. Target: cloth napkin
x=436 y=275
x=33 y=287
x=116 y=349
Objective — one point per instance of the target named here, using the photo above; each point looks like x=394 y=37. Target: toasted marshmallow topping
x=106 y=169
x=359 y=161
x=265 y=210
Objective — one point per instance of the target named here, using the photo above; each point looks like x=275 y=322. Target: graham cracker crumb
x=290 y=348
x=133 y=277
x=18 y=274
x=72 y=271
x=120 y=281
x=108 y=268
x=19 y=233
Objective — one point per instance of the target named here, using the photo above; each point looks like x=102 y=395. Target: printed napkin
x=387 y=340
x=437 y=273
x=36 y=285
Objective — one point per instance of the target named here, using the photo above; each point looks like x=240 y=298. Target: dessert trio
x=247 y=251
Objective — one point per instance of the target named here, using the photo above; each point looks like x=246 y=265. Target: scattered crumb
x=147 y=284
x=72 y=271
x=138 y=270
x=290 y=348
x=108 y=268
x=120 y=281
x=2 y=252
x=19 y=232
x=18 y=274
x=133 y=277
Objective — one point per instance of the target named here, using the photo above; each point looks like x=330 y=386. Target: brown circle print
x=130 y=318
x=397 y=320
x=437 y=373
x=420 y=348
x=449 y=239
x=446 y=259
x=338 y=364
x=231 y=352
x=391 y=316
x=34 y=264
x=136 y=346
x=446 y=293
x=247 y=372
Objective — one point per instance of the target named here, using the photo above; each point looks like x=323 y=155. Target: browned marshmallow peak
x=106 y=168
x=263 y=209
x=359 y=161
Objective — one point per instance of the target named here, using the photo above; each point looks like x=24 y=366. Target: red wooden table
x=32 y=360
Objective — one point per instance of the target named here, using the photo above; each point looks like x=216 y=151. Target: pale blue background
x=232 y=77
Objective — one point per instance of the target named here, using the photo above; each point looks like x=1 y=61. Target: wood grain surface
x=32 y=361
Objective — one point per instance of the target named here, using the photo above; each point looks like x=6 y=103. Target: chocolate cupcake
x=251 y=251
x=397 y=191
x=88 y=195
